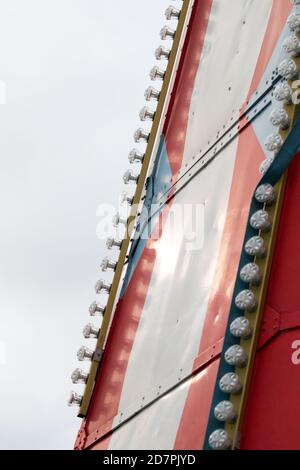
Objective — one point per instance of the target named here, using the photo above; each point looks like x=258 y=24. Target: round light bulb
x=111 y=242
x=260 y=220
x=293 y=22
x=90 y=331
x=288 y=69
x=79 y=376
x=96 y=309
x=292 y=45
x=85 y=354
x=265 y=165
x=146 y=114
x=283 y=92
x=152 y=94
x=75 y=399
x=273 y=143
x=130 y=177
x=251 y=274
x=241 y=328
x=141 y=136
x=279 y=117
x=219 y=440
x=162 y=53
x=172 y=13
x=101 y=285
x=230 y=383
x=157 y=74
x=167 y=33
x=246 y=300
x=236 y=356
x=225 y=412
x=255 y=246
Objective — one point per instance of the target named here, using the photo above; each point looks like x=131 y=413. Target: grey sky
x=75 y=72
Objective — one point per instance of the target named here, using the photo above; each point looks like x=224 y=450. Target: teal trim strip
x=281 y=163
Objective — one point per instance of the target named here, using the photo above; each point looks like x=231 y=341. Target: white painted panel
x=233 y=42
x=136 y=434
x=170 y=328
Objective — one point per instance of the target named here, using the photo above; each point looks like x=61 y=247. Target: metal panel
x=162 y=418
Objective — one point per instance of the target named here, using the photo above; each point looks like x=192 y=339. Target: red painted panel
x=272 y=419
x=273 y=413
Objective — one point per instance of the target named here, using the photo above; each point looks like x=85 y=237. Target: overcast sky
x=75 y=72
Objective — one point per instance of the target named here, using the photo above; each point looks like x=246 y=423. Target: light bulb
x=219 y=440
x=255 y=246
x=157 y=74
x=85 y=354
x=162 y=53
x=265 y=194
x=260 y=220
x=111 y=242
x=225 y=412
x=246 y=300
x=273 y=143
x=135 y=156
x=279 y=117
x=288 y=69
x=241 y=328
x=130 y=177
x=172 y=13
x=167 y=33
x=102 y=286
x=152 y=94
x=251 y=274
x=265 y=165
x=146 y=114
x=79 y=376
x=283 y=92
x=75 y=399
x=141 y=135
x=95 y=309
x=90 y=331
x=292 y=45
x=236 y=356
x=230 y=383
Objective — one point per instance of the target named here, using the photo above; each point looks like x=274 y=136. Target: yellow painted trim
x=137 y=198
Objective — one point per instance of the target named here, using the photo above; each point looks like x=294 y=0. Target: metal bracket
x=274 y=323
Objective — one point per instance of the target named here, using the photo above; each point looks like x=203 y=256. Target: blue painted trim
x=159 y=182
